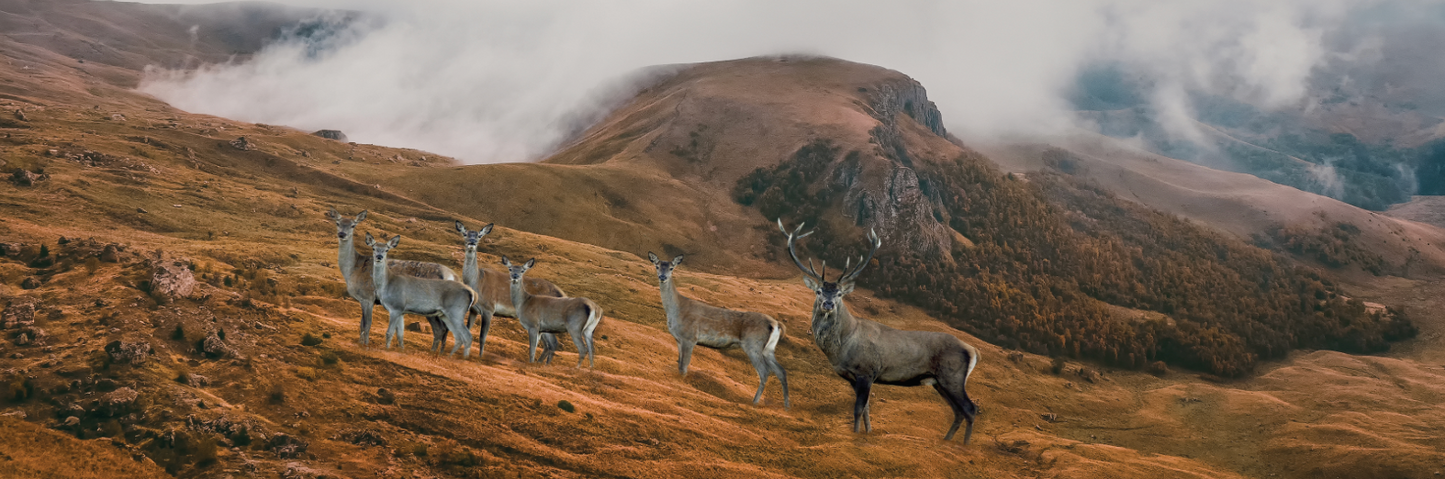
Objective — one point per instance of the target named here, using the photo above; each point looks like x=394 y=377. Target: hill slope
x=223 y=384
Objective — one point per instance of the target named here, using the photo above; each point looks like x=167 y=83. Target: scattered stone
x=134 y=354
x=385 y=396
x=11 y=249
x=172 y=279
x=71 y=421
x=23 y=177
x=286 y=446
x=118 y=402
x=22 y=339
x=20 y=115
x=363 y=437
x=215 y=347
x=141 y=210
x=1089 y=375
x=30 y=283
x=18 y=314
x=110 y=253
x=296 y=470
x=18 y=414
x=52 y=152
x=1015 y=356
x=197 y=381
x=331 y=135
x=241 y=143
x=117 y=117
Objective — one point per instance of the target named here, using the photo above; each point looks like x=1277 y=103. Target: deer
x=864 y=352
x=694 y=322
x=356 y=270
x=401 y=294
x=494 y=292
x=577 y=317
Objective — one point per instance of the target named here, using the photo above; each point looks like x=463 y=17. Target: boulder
x=286 y=446
x=172 y=279
x=331 y=135
x=132 y=353
x=117 y=402
x=241 y=143
x=215 y=347
x=23 y=177
x=17 y=314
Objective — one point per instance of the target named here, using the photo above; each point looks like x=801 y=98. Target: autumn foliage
x=1049 y=252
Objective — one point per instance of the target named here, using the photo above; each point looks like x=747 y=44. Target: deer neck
x=347 y=258
x=469 y=268
x=671 y=303
x=831 y=331
x=519 y=294
x=378 y=275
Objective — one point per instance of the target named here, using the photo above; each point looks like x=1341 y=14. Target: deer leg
x=390 y=327
x=684 y=355
x=782 y=377
x=532 y=337
x=580 y=340
x=456 y=323
x=398 y=322
x=366 y=307
x=953 y=402
x=862 y=387
x=438 y=333
x=486 y=320
x=550 y=345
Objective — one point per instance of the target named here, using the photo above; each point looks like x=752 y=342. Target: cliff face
x=717 y=125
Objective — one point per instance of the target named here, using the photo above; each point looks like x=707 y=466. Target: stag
x=864 y=352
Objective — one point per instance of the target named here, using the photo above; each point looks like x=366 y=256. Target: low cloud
x=494 y=81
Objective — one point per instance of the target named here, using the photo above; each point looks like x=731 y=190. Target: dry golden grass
x=1316 y=414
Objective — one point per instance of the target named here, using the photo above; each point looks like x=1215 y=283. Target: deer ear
x=487 y=229
x=652 y=257
x=395 y=240
x=530 y=263
x=505 y=262
x=845 y=288
x=808 y=281
x=333 y=215
x=369 y=240
x=461 y=229
x=676 y=261
x=361 y=216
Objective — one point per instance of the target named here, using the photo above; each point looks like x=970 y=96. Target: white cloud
x=493 y=81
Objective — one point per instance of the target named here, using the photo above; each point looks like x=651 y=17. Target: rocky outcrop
x=132 y=353
x=331 y=135
x=172 y=279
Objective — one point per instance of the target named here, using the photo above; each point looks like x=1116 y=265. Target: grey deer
x=401 y=294
x=694 y=322
x=864 y=352
x=356 y=269
x=577 y=317
x=494 y=293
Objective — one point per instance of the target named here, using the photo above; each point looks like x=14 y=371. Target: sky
x=490 y=81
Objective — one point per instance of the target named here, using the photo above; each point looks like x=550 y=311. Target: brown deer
x=356 y=269
x=864 y=352
x=577 y=317
x=401 y=294
x=694 y=322
x=494 y=293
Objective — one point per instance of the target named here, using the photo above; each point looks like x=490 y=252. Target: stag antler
x=862 y=262
x=792 y=252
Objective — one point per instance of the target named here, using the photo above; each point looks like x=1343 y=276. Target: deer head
x=345 y=227
x=517 y=270
x=829 y=293
x=664 y=268
x=474 y=236
x=379 y=250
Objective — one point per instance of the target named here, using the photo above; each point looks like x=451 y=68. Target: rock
x=215 y=347
x=30 y=335
x=18 y=314
x=286 y=446
x=117 y=402
x=134 y=354
x=363 y=437
x=110 y=253
x=23 y=177
x=71 y=421
x=52 y=152
x=30 y=283
x=172 y=279
x=141 y=210
x=196 y=380
x=385 y=396
x=296 y=470
x=11 y=249
x=22 y=339
x=18 y=414
x=241 y=143
x=331 y=135
x=20 y=115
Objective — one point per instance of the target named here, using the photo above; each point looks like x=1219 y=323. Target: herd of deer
x=861 y=351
